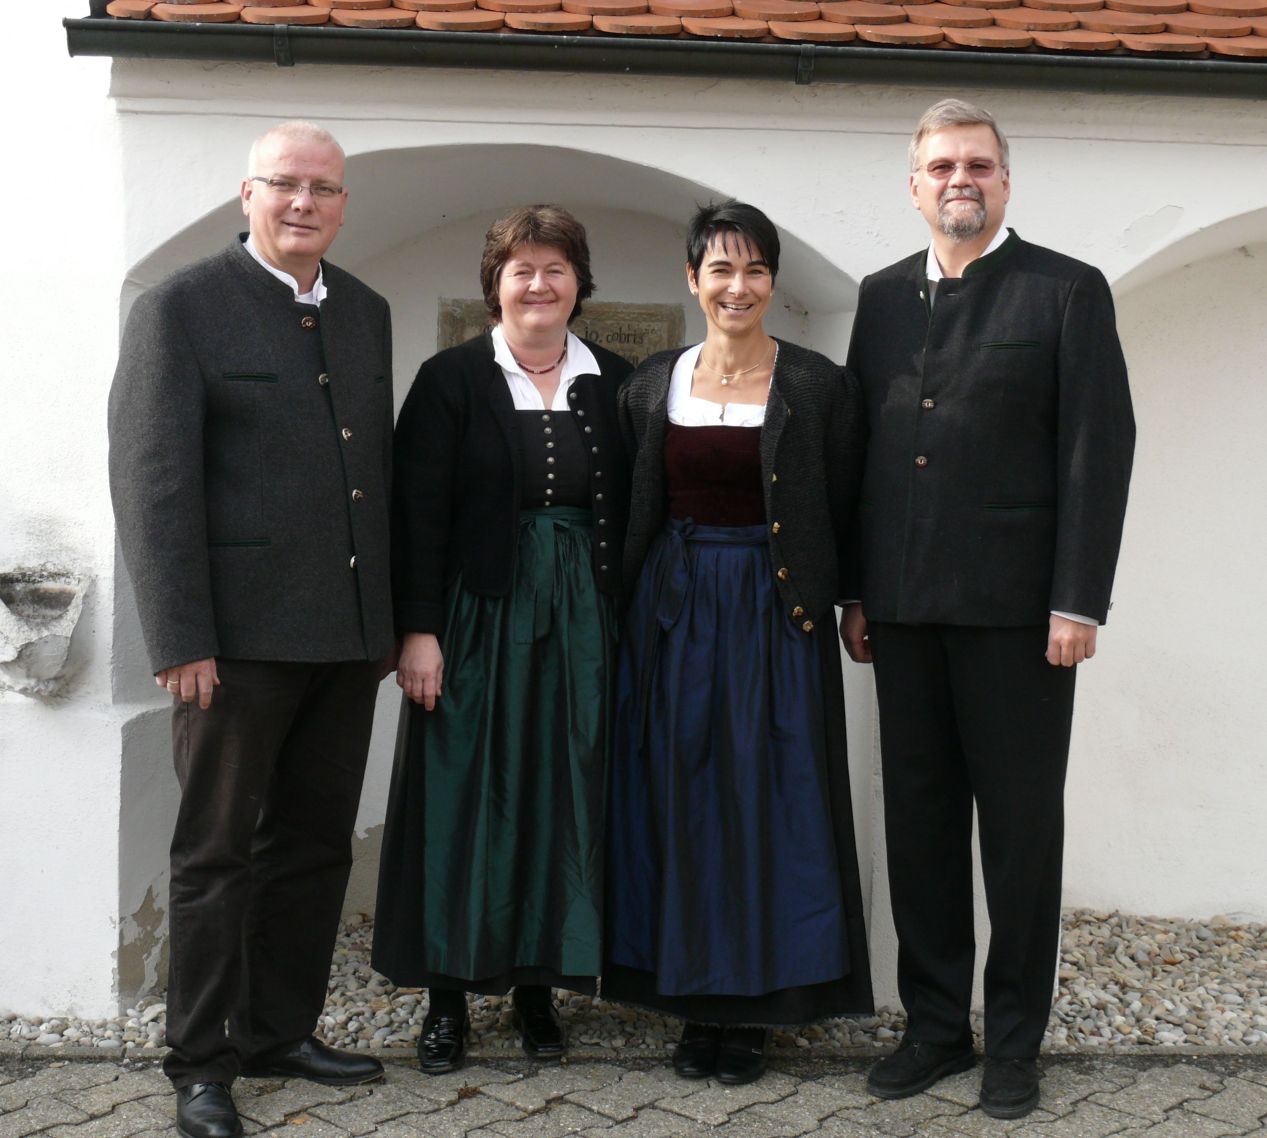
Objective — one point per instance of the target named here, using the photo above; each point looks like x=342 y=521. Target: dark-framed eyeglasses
x=289 y=188
x=976 y=168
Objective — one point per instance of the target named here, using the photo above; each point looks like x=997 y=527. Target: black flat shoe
x=741 y=1056
x=206 y=1110
x=695 y=1056
x=312 y=1060
x=442 y=1045
x=916 y=1066
x=1009 y=1087
x=538 y=1025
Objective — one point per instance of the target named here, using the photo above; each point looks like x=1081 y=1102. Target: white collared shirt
x=316 y=296
x=579 y=361
x=687 y=410
x=932 y=269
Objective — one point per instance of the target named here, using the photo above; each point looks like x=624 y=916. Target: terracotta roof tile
x=1134 y=22
x=130 y=9
x=649 y=24
x=293 y=14
x=948 y=16
x=814 y=31
x=1147 y=7
x=605 y=7
x=374 y=18
x=1080 y=40
x=1225 y=28
x=471 y=20
x=991 y=37
x=725 y=27
x=558 y=23
x=1229 y=7
x=1251 y=46
x=1194 y=24
x=1065 y=5
x=861 y=12
x=1164 y=43
x=903 y=35
x=783 y=10
x=1036 y=20
x=182 y=13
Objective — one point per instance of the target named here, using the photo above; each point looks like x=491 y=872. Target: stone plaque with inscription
x=634 y=331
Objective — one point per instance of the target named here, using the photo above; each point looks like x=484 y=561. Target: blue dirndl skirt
x=732 y=876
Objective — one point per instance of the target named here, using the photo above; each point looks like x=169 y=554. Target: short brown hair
x=550 y=225
x=954 y=112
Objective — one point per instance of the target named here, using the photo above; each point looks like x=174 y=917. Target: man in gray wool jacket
x=250 y=469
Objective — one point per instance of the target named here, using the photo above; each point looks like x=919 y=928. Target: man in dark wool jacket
x=250 y=466
x=999 y=452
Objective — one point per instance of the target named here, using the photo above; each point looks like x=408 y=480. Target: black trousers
x=270 y=779
x=974 y=715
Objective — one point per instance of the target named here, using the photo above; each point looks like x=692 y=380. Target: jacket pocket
x=1012 y=344
x=250 y=376
x=1018 y=505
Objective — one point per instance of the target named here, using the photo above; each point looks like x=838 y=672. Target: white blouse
x=580 y=361
x=687 y=410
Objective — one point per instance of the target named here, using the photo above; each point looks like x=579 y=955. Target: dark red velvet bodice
x=714 y=475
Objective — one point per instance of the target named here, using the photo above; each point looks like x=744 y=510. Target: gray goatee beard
x=956 y=224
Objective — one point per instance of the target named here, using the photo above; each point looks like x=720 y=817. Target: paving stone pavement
x=1189 y=1096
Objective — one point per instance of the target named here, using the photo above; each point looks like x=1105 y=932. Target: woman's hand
x=420 y=671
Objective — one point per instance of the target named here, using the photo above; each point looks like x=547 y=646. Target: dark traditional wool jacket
x=250 y=466
x=459 y=471
x=811 y=463
x=1000 y=440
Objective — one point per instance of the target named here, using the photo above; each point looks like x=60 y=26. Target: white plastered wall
x=1166 y=762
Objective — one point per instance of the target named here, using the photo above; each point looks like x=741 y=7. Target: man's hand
x=420 y=670
x=853 y=631
x=191 y=681
x=1069 y=642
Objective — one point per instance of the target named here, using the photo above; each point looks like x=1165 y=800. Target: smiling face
x=537 y=291
x=293 y=231
x=961 y=205
x=734 y=285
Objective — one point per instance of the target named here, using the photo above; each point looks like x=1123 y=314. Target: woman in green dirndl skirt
x=510 y=499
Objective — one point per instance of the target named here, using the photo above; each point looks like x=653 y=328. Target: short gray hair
x=954 y=112
x=297 y=131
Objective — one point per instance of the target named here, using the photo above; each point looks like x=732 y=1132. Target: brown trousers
x=270 y=779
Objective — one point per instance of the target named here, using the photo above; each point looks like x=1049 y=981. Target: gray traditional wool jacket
x=811 y=465
x=1000 y=440
x=250 y=466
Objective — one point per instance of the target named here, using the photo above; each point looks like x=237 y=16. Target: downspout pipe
x=287 y=45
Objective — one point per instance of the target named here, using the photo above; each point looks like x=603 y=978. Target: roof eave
x=289 y=45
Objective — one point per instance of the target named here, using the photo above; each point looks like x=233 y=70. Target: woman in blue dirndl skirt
x=733 y=898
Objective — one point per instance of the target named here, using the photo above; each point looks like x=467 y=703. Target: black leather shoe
x=312 y=1060
x=741 y=1056
x=916 y=1066
x=1009 y=1087
x=695 y=1056
x=206 y=1110
x=538 y=1025
x=442 y=1045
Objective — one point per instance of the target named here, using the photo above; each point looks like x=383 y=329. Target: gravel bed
x=1125 y=984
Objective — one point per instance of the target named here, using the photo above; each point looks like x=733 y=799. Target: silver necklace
x=728 y=378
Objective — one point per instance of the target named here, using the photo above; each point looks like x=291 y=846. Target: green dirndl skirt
x=492 y=862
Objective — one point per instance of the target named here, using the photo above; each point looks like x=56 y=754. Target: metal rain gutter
x=289 y=45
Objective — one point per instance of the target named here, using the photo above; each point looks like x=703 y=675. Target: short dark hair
x=731 y=216
x=550 y=225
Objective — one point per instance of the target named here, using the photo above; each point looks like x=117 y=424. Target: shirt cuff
x=1075 y=616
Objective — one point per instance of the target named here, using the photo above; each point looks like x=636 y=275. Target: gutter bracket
x=281 y=46
x=805 y=65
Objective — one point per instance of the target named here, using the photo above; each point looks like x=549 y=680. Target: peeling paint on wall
x=141 y=963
